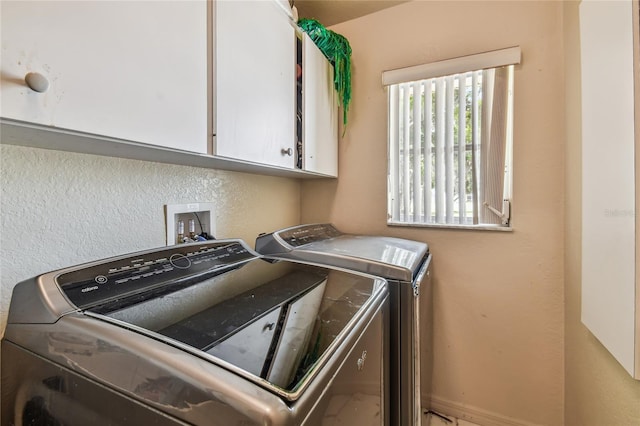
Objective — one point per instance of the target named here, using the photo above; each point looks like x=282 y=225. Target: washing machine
x=405 y=264
x=204 y=333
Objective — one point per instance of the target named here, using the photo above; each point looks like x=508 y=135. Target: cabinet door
x=133 y=70
x=609 y=282
x=320 y=111
x=255 y=83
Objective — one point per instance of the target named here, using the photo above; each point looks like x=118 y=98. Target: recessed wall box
x=200 y=213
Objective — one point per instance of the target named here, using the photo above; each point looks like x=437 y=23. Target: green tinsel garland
x=338 y=51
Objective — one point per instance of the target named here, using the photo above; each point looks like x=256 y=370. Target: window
x=450 y=138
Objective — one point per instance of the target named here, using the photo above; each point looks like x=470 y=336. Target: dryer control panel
x=297 y=236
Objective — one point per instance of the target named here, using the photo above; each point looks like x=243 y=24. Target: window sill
x=498 y=228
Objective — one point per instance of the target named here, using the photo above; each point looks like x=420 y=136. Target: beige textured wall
x=498 y=296
x=598 y=391
x=59 y=209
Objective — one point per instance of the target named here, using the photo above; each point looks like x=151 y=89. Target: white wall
x=498 y=297
x=59 y=209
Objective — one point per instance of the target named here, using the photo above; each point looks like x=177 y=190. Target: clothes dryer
x=405 y=264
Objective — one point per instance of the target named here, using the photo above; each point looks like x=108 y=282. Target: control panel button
x=180 y=261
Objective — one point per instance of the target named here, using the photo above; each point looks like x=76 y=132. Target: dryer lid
x=387 y=257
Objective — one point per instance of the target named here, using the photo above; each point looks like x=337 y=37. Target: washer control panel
x=123 y=277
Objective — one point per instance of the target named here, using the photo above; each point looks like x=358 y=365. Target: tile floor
x=435 y=420
x=364 y=410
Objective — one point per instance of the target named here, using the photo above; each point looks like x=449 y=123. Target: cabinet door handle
x=288 y=152
x=37 y=82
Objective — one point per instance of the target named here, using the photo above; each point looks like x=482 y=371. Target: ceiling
x=331 y=12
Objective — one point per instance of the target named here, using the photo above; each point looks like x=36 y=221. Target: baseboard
x=474 y=414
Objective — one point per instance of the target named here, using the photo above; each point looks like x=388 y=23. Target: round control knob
x=288 y=152
x=180 y=261
x=37 y=82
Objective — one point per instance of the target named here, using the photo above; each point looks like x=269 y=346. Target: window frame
x=462 y=65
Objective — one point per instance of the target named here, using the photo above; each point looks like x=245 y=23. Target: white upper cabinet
x=195 y=82
x=255 y=83
x=610 y=242
x=132 y=70
x=319 y=112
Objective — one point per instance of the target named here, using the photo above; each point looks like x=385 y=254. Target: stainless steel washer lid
x=387 y=257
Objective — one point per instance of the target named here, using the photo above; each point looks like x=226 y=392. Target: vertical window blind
x=450 y=132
